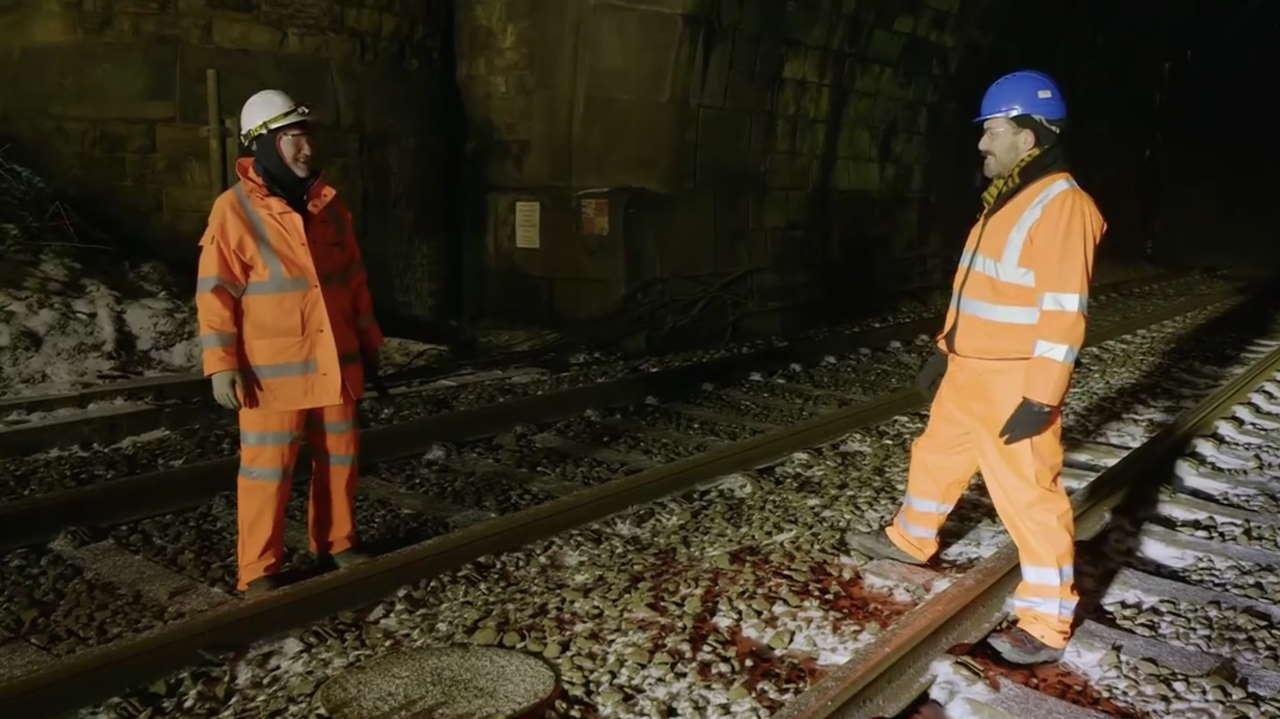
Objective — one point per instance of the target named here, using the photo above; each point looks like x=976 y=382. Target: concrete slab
x=1176 y=549
x=112 y=563
x=1131 y=585
x=443 y=683
x=1092 y=641
x=1073 y=478
x=18 y=658
x=896 y=579
x=1182 y=506
x=1190 y=474
x=964 y=693
x=1093 y=456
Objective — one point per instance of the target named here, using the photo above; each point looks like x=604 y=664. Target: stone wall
x=778 y=151
x=108 y=99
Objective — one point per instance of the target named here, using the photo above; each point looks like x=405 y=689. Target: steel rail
x=884 y=678
x=102 y=672
x=111 y=424
x=37 y=519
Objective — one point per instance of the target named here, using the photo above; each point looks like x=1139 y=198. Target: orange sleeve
x=1062 y=244
x=366 y=324
x=220 y=282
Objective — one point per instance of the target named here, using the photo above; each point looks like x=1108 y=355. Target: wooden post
x=232 y=124
x=217 y=163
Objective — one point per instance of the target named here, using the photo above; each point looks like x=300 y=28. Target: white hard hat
x=266 y=110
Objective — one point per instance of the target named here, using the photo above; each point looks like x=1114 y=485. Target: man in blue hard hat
x=1003 y=364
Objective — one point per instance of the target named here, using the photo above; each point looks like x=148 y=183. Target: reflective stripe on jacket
x=283 y=299
x=1021 y=290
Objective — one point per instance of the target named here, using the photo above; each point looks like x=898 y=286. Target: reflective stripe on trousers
x=973 y=402
x=269 y=442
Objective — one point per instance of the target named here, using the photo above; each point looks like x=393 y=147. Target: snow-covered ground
x=74 y=309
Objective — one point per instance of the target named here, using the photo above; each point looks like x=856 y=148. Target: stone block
x=798 y=209
x=98 y=170
x=770 y=56
x=630 y=53
x=761 y=139
x=713 y=77
x=775 y=210
x=142 y=6
x=867 y=77
x=178 y=200
x=904 y=23
x=895 y=579
x=793 y=61
x=746 y=91
x=787 y=99
x=140 y=201
x=733 y=211
x=127 y=28
x=731 y=12
x=784 y=134
x=605 y=153
x=305 y=42
x=123 y=137
x=76 y=135
x=886 y=46
x=97 y=81
x=301 y=14
x=854 y=143
x=789 y=172
x=842 y=175
x=40 y=25
x=242 y=73
x=723 y=142
x=180 y=140
x=363 y=20
x=817 y=65
x=246 y=35
x=811 y=137
x=190 y=171
x=864 y=176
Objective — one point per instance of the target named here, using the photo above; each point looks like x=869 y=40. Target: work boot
x=1018 y=646
x=262 y=585
x=877 y=545
x=345 y=558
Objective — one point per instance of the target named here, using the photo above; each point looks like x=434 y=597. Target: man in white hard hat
x=287 y=331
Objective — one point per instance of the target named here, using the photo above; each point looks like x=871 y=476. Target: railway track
x=114 y=412
x=1144 y=507
x=115 y=666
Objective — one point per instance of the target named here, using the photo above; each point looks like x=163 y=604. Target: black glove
x=371 y=373
x=930 y=375
x=1029 y=418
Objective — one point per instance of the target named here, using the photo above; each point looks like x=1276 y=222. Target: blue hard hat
x=1025 y=92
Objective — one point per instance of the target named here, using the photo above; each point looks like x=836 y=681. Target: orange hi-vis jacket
x=283 y=298
x=1021 y=290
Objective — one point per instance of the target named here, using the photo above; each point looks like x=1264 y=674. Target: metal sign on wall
x=595 y=216
x=528 y=224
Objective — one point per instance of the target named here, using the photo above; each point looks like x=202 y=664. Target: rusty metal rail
x=182 y=400
x=885 y=677
x=38 y=519
x=99 y=673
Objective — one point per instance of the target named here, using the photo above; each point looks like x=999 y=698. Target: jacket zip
x=949 y=335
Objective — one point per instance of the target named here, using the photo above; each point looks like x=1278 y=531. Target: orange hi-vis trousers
x=973 y=402
x=269 y=441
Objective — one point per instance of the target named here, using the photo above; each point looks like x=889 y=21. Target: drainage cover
x=442 y=683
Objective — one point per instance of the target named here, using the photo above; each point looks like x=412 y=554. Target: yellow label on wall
x=528 y=224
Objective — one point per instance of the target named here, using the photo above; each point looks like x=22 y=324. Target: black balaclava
x=279 y=179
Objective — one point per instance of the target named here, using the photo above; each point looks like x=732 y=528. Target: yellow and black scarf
x=1007 y=184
